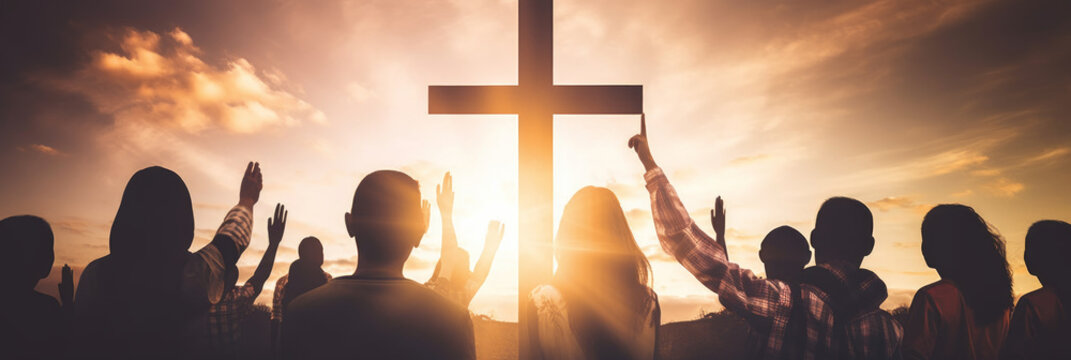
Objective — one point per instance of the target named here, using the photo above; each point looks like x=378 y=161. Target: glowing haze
x=773 y=105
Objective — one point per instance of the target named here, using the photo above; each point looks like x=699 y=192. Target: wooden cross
x=535 y=99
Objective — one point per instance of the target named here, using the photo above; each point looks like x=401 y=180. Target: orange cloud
x=899 y=202
x=163 y=80
x=1005 y=187
x=44 y=149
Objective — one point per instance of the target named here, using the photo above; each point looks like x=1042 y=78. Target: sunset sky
x=773 y=105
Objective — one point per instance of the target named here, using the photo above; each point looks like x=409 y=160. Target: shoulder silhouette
x=377 y=313
x=30 y=321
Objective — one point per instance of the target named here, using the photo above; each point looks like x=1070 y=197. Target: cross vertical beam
x=535 y=100
x=535 y=147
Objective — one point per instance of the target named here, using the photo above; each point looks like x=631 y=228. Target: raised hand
x=252 y=183
x=495 y=230
x=425 y=208
x=717 y=220
x=444 y=196
x=639 y=143
x=277 y=225
x=66 y=286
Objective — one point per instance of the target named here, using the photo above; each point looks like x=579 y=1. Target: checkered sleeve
x=237 y=226
x=277 y=298
x=244 y=297
x=738 y=289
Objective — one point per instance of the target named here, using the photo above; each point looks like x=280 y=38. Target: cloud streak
x=162 y=80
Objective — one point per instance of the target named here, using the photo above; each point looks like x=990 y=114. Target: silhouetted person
x=452 y=277
x=31 y=325
x=599 y=304
x=142 y=300
x=221 y=328
x=377 y=313
x=964 y=315
x=1041 y=324
x=785 y=253
x=311 y=254
x=843 y=320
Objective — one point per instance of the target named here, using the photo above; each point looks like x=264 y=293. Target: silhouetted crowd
x=152 y=298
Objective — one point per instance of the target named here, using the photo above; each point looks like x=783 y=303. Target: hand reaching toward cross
x=639 y=143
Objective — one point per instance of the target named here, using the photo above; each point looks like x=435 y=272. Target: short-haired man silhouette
x=310 y=255
x=377 y=313
x=785 y=253
x=29 y=320
x=843 y=319
x=1041 y=324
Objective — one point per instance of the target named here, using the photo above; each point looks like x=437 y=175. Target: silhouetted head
x=843 y=231
x=25 y=252
x=1048 y=247
x=965 y=250
x=311 y=251
x=155 y=217
x=785 y=253
x=386 y=218
x=602 y=273
x=303 y=276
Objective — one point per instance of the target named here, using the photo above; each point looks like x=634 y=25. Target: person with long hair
x=599 y=304
x=965 y=315
x=142 y=300
x=1041 y=324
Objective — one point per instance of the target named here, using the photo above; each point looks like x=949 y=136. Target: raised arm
x=738 y=289
x=276 y=227
x=717 y=220
x=495 y=230
x=450 y=256
x=233 y=235
x=203 y=280
x=444 y=197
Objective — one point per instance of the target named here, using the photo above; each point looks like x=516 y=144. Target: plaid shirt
x=225 y=319
x=209 y=273
x=766 y=303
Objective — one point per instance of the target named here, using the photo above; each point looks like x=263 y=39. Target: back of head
x=386 y=218
x=303 y=276
x=602 y=273
x=27 y=244
x=962 y=247
x=155 y=217
x=785 y=253
x=843 y=231
x=1048 y=245
x=595 y=243
x=311 y=251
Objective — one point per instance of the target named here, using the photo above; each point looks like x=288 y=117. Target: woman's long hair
x=965 y=250
x=602 y=274
x=137 y=306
